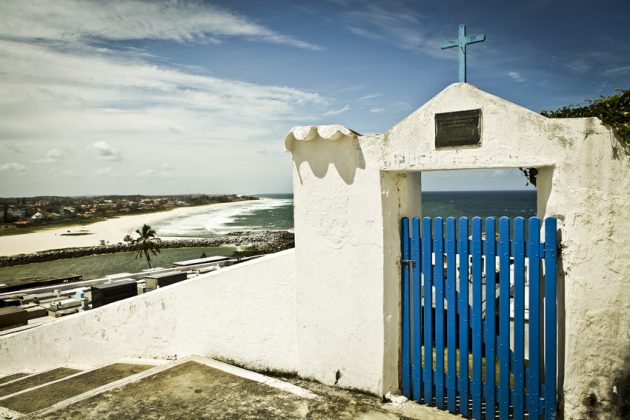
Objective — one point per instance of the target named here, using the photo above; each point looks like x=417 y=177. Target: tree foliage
x=613 y=111
x=146 y=243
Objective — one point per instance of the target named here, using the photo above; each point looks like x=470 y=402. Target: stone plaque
x=460 y=128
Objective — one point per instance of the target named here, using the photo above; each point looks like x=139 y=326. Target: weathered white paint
x=343 y=325
x=330 y=310
x=311 y=132
x=244 y=313
x=351 y=192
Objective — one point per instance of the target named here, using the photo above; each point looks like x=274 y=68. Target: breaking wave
x=266 y=214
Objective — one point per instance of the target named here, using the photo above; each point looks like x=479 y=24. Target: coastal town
x=25 y=214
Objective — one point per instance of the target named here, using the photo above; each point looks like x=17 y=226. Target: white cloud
x=83 y=20
x=376 y=110
x=578 y=65
x=167 y=170
x=106 y=89
x=104 y=103
x=617 y=71
x=92 y=103
x=13 y=148
x=107 y=170
x=370 y=96
x=52 y=156
x=164 y=171
x=397 y=24
x=68 y=173
x=402 y=104
x=147 y=173
x=516 y=76
x=401 y=26
x=366 y=33
x=12 y=168
x=106 y=151
x=590 y=61
x=336 y=111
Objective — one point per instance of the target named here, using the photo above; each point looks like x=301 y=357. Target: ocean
x=479 y=203
x=273 y=212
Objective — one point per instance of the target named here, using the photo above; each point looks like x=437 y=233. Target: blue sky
x=190 y=96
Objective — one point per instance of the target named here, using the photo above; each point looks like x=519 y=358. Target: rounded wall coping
x=331 y=132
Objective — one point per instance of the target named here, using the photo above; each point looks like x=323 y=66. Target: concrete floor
x=196 y=390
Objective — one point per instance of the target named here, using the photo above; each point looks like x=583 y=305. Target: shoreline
x=262 y=242
x=110 y=230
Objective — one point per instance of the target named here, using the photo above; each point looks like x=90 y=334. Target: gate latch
x=410 y=262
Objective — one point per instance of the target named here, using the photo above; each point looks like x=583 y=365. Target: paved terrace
x=194 y=387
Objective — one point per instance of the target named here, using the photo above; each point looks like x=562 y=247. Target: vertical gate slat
x=518 y=362
x=426 y=328
x=504 y=318
x=438 y=281
x=428 y=307
x=416 y=367
x=406 y=367
x=489 y=323
x=550 y=318
x=476 y=316
x=533 y=369
x=463 y=310
x=451 y=293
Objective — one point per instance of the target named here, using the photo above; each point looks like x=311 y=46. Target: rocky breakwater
x=249 y=242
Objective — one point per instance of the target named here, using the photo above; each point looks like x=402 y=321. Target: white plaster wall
x=330 y=310
x=340 y=254
x=584 y=180
x=335 y=293
x=243 y=313
x=349 y=195
x=401 y=197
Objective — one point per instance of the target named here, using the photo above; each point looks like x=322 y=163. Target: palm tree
x=146 y=243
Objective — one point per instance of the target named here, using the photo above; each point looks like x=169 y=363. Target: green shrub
x=613 y=111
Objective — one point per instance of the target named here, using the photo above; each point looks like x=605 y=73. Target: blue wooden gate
x=479 y=316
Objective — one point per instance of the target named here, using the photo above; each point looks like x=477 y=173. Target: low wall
x=245 y=313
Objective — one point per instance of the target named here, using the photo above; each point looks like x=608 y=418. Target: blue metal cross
x=461 y=42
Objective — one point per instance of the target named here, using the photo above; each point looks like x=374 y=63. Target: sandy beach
x=112 y=231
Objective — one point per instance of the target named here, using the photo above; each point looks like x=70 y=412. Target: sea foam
x=246 y=216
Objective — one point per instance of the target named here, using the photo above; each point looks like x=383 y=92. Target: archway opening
x=478 y=192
